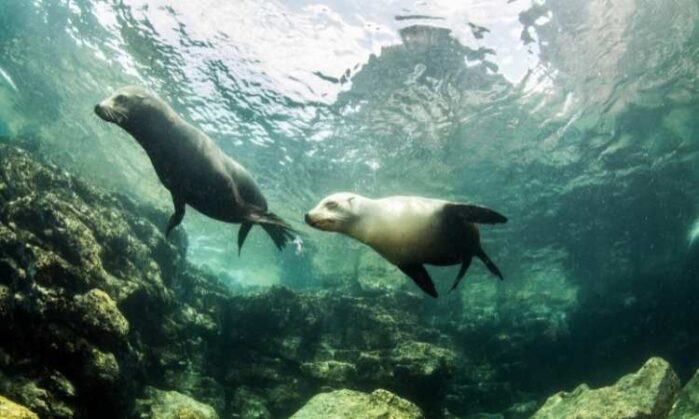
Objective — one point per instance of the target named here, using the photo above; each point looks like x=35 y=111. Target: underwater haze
x=577 y=119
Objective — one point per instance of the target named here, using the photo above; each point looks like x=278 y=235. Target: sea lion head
x=336 y=212
x=129 y=106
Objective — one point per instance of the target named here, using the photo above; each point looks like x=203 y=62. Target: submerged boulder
x=350 y=404
x=687 y=404
x=12 y=410
x=159 y=404
x=100 y=314
x=289 y=345
x=85 y=285
x=247 y=405
x=331 y=371
x=646 y=394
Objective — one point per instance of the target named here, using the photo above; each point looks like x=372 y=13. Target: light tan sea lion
x=410 y=231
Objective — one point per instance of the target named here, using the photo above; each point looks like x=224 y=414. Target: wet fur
x=410 y=231
x=190 y=165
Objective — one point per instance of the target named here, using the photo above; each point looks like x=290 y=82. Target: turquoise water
x=575 y=118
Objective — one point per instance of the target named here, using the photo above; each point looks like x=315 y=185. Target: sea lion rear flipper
x=280 y=235
x=464 y=267
x=419 y=274
x=475 y=213
x=242 y=234
x=488 y=263
x=176 y=218
x=278 y=230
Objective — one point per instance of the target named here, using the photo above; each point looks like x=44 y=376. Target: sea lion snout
x=315 y=220
x=103 y=112
x=107 y=111
x=99 y=111
x=311 y=220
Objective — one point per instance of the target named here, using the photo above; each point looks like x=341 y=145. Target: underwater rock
x=420 y=359
x=100 y=314
x=159 y=404
x=330 y=371
x=350 y=404
x=290 y=345
x=101 y=367
x=248 y=405
x=193 y=380
x=86 y=282
x=45 y=395
x=522 y=410
x=687 y=404
x=12 y=410
x=648 y=393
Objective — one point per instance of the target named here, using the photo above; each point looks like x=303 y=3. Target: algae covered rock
x=646 y=394
x=101 y=367
x=159 y=404
x=80 y=270
x=248 y=405
x=289 y=345
x=330 y=371
x=12 y=410
x=687 y=404
x=422 y=359
x=352 y=404
x=99 y=313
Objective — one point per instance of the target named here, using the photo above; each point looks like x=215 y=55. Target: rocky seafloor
x=101 y=316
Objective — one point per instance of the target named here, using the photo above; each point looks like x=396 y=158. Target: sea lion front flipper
x=475 y=214
x=242 y=234
x=176 y=218
x=419 y=274
x=464 y=267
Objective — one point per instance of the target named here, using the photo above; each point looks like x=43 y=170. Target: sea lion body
x=403 y=229
x=410 y=231
x=191 y=166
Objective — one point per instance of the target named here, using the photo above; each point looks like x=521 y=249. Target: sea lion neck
x=362 y=226
x=148 y=124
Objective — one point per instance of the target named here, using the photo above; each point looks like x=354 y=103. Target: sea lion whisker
x=120 y=117
x=115 y=116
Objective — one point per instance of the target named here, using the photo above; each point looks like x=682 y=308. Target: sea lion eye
x=331 y=205
x=120 y=98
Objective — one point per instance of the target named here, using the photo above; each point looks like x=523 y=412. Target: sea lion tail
x=279 y=231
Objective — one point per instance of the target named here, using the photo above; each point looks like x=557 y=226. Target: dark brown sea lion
x=191 y=166
x=410 y=231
